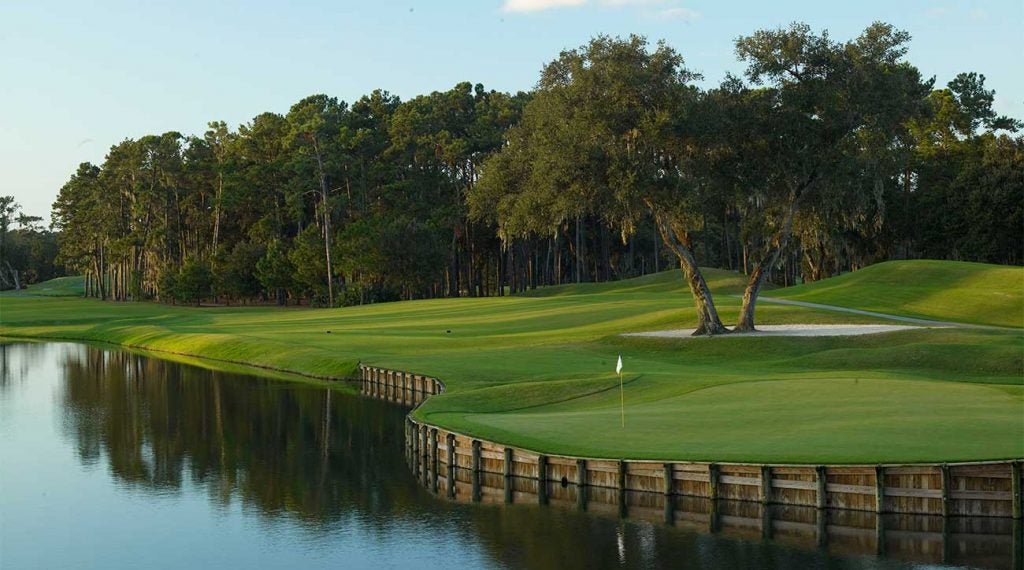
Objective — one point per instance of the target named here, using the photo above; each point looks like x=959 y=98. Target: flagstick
x=622 y=401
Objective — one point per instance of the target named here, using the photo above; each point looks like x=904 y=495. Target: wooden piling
x=434 y=460
x=450 y=444
x=766 y=484
x=542 y=479
x=506 y=466
x=821 y=498
x=424 y=450
x=944 y=470
x=475 y=450
x=1015 y=489
x=476 y=470
x=879 y=489
x=415 y=450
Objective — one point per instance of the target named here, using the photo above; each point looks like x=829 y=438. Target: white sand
x=789 y=330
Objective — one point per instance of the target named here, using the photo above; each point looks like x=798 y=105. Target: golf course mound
x=537 y=370
x=975 y=293
x=73 y=286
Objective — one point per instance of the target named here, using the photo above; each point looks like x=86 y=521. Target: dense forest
x=823 y=157
x=28 y=251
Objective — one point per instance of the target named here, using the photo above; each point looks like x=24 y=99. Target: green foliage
x=309 y=259
x=596 y=138
x=393 y=254
x=275 y=271
x=169 y=291
x=194 y=282
x=28 y=253
x=235 y=271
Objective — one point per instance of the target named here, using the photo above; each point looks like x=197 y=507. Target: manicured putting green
x=791 y=421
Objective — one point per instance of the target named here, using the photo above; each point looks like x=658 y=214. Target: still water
x=115 y=460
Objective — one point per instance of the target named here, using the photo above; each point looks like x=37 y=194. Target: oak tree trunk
x=708 y=322
x=758 y=273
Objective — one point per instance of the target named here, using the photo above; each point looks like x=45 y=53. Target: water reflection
x=304 y=451
x=114 y=459
x=981 y=542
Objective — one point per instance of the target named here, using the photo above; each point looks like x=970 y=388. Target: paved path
x=925 y=322
x=789 y=330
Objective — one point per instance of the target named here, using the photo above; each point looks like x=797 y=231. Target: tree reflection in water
x=280 y=447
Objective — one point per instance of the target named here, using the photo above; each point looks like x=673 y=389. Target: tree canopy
x=823 y=157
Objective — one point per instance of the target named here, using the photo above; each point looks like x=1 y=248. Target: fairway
x=537 y=370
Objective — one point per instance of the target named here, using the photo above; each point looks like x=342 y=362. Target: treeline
x=243 y=215
x=827 y=157
x=28 y=251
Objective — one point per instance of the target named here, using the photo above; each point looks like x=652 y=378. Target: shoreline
x=289 y=375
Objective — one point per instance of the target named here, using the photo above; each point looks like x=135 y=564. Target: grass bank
x=536 y=370
x=957 y=291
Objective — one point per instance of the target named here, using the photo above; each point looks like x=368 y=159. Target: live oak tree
x=604 y=135
x=834 y=110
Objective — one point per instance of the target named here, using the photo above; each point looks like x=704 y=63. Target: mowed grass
x=537 y=370
x=73 y=286
x=943 y=290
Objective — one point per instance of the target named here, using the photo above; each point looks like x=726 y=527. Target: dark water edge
x=113 y=459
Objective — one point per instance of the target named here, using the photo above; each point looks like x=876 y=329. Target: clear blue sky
x=76 y=78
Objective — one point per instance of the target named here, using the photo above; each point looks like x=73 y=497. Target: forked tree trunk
x=759 y=272
x=708 y=322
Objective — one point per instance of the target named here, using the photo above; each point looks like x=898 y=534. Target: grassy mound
x=957 y=291
x=60 y=287
x=536 y=370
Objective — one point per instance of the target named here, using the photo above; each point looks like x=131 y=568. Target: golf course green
x=537 y=370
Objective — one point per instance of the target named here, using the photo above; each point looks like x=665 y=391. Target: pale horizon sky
x=77 y=78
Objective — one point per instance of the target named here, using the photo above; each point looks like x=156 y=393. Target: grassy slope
x=945 y=290
x=60 y=287
x=536 y=370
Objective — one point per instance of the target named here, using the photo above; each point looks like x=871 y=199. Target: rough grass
x=537 y=370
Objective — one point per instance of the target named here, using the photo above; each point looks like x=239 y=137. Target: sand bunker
x=789 y=330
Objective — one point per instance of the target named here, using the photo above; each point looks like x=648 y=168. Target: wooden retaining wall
x=977 y=489
x=404 y=388
x=972 y=489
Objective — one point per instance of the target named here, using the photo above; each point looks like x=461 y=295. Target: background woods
x=826 y=156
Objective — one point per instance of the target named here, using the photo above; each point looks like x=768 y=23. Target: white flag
x=618 y=365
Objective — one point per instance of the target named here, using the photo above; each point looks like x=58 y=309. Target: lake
x=111 y=459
